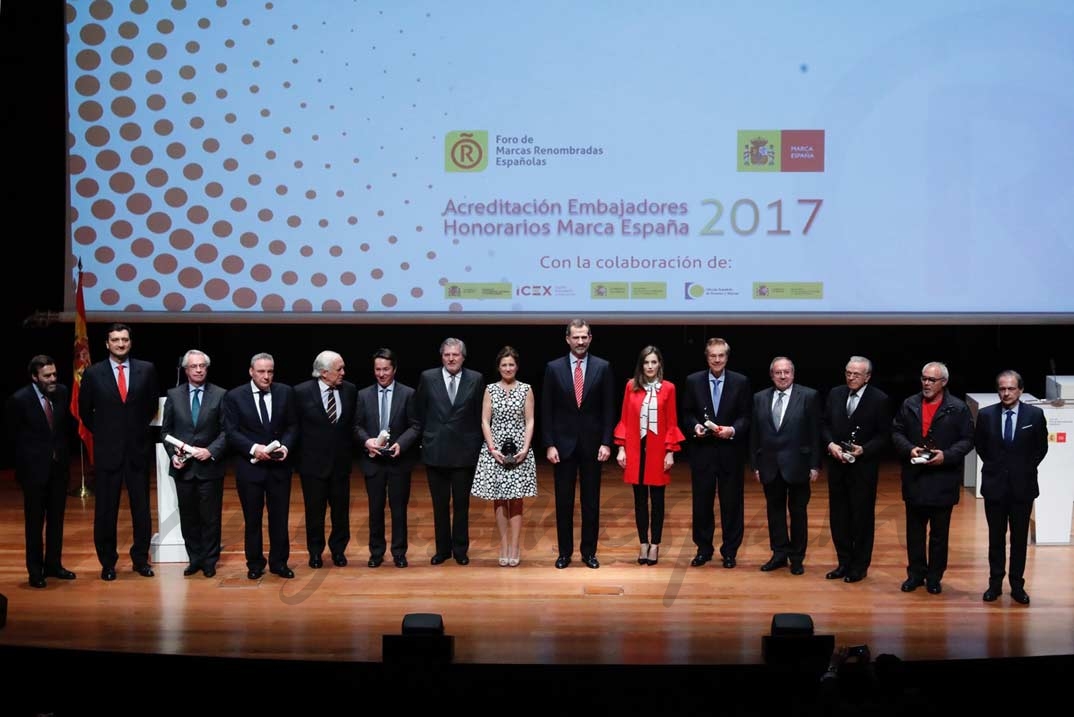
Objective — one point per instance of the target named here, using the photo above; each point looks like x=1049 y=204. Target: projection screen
x=323 y=160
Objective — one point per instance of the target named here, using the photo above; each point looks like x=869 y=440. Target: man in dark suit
x=785 y=454
x=193 y=414
x=325 y=411
x=259 y=420
x=578 y=417
x=448 y=405
x=388 y=430
x=932 y=433
x=1011 y=438
x=36 y=417
x=715 y=414
x=117 y=401
x=855 y=428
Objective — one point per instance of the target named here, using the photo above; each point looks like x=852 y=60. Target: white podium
x=971 y=469
x=1059 y=387
x=1053 y=508
x=167 y=545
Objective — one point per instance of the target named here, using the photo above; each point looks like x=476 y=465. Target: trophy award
x=848 y=445
x=929 y=444
x=509 y=451
x=708 y=425
x=384 y=443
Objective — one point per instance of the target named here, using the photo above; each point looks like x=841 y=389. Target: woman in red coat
x=648 y=436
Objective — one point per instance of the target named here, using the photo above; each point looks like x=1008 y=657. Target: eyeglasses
x=930 y=379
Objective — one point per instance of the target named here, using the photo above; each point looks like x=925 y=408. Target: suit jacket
x=736 y=410
x=243 y=427
x=667 y=436
x=121 y=431
x=28 y=433
x=403 y=426
x=208 y=433
x=566 y=425
x=951 y=431
x=451 y=433
x=792 y=450
x=871 y=422
x=325 y=448
x=1009 y=473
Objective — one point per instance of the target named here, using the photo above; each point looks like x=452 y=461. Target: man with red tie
x=578 y=417
x=117 y=401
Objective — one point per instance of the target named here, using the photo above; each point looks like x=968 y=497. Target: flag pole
x=83 y=491
x=81 y=363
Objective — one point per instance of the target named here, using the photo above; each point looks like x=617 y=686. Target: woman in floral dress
x=507 y=478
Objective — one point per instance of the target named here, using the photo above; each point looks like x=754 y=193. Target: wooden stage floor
x=533 y=614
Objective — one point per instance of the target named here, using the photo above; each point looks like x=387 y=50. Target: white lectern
x=1053 y=508
x=971 y=469
x=167 y=545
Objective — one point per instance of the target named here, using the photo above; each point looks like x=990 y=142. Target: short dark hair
x=38 y=362
x=386 y=354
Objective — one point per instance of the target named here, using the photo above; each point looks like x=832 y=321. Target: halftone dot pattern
x=202 y=200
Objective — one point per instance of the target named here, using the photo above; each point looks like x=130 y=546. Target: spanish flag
x=81 y=363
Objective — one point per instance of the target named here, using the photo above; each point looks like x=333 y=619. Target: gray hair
x=324 y=362
x=191 y=352
x=453 y=342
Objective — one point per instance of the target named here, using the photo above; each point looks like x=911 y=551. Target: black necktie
x=264 y=408
x=1008 y=428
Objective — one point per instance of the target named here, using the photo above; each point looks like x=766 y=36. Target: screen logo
x=788 y=150
x=466 y=151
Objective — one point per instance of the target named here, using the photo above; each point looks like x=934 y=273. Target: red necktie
x=122 y=380
x=48 y=410
x=578 y=381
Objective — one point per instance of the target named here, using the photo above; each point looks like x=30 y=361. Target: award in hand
x=182 y=454
x=849 y=444
x=929 y=445
x=708 y=425
x=384 y=443
x=509 y=451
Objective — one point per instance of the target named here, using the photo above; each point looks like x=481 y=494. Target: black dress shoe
x=339 y=560
x=283 y=572
x=839 y=572
x=562 y=561
x=37 y=581
x=191 y=570
x=209 y=572
x=591 y=561
x=1020 y=596
x=853 y=577
x=991 y=594
x=61 y=572
x=401 y=562
x=774 y=564
x=934 y=588
x=797 y=569
x=462 y=560
x=911 y=584
x=375 y=562
x=252 y=574
x=144 y=570
x=729 y=561
x=316 y=562
x=700 y=560
x=437 y=559
x=108 y=574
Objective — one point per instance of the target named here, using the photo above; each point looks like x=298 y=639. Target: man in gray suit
x=785 y=454
x=388 y=430
x=193 y=415
x=448 y=403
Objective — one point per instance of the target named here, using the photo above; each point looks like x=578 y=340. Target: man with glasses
x=932 y=433
x=193 y=414
x=855 y=428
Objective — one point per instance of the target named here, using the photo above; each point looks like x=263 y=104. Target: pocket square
x=1025 y=428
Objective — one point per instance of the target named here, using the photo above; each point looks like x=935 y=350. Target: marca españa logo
x=787 y=150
